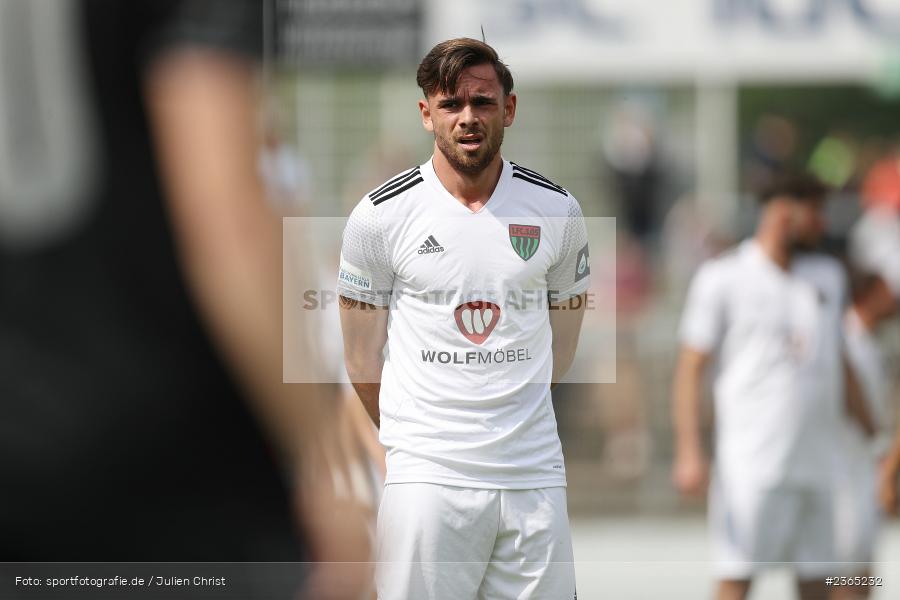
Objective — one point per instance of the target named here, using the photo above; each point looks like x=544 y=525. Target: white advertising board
x=574 y=40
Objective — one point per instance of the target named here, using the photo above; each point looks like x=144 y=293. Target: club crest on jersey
x=525 y=239
x=476 y=320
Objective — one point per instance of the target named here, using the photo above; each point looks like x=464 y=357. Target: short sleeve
x=571 y=274
x=365 y=271
x=703 y=319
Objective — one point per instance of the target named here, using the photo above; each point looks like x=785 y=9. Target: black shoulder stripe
x=396 y=192
x=395 y=185
x=553 y=188
x=531 y=172
x=534 y=174
x=393 y=180
x=538 y=176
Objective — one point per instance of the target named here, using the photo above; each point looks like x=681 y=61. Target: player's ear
x=509 y=109
x=426 y=115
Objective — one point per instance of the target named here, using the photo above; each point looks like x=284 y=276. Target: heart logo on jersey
x=525 y=239
x=476 y=320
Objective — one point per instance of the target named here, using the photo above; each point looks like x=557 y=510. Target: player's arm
x=567 y=283
x=365 y=333
x=890 y=471
x=202 y=95
x=204 y=106
x=204 y=110
x=365 y=284
x=565 y=324
x=702 y=326
x=856 y=404
x=691 y=469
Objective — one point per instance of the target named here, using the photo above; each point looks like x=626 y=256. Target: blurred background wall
x=665 y=115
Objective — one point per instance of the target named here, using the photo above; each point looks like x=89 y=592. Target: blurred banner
x=574 y=40
x=347 y=33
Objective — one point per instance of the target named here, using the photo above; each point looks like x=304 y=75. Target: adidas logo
x=430 y=246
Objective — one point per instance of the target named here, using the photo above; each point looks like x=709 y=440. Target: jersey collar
x=497 y=198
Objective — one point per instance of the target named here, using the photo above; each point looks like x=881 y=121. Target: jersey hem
x=562 y=296
x=368 y=298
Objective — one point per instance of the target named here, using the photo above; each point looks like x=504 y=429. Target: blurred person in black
x=632 y=153
x=140 y=298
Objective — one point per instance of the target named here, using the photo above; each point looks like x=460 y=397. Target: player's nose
x=467 y=115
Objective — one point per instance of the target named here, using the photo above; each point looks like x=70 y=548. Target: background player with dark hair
x=770 y=313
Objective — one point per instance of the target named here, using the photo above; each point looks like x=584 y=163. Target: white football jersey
x=778 y=387
x=465 y=395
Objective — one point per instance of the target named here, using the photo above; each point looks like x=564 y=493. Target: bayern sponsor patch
x=354 y=277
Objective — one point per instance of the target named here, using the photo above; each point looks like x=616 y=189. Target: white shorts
x=438 y=542
x=757 y=527
x=857 y=515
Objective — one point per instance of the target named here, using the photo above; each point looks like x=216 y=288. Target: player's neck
x=774 y=247
x=472 y=191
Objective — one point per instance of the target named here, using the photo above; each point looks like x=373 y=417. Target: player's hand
x=690 y=473
x=342 y=547
x=887 y=488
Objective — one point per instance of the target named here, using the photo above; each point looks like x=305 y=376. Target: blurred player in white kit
x=768 y=316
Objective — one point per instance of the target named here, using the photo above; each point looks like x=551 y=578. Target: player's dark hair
x=439 y=71
x=797 y=186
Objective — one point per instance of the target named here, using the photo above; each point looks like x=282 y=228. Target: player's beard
x=802 y=246
x=805 y=243
x=471 y=163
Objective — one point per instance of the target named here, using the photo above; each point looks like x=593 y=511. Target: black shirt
x=122 y=437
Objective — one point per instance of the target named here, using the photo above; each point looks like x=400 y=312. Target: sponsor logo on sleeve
x=582 y=264
x=354 y=277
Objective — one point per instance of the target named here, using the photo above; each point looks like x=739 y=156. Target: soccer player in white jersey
x=768 y=314
x=473 y=271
